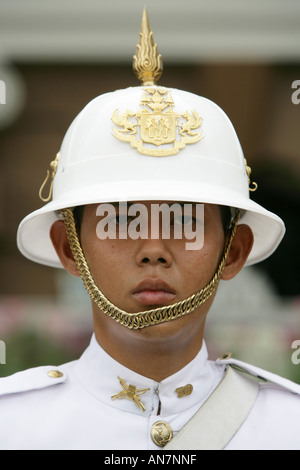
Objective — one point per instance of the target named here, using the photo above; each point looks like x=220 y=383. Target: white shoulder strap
x=261 y=374
x=220 y=417
x=32 y=379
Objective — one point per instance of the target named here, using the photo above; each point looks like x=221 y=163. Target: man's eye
x=184 y=220
x=122 y=219
x=118 y=220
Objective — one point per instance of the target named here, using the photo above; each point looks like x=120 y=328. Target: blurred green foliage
x=26 y=349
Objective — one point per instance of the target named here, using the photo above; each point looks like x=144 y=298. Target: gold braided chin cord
x=150 y=317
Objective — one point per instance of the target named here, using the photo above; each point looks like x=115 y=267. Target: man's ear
x=239 y=252
x=61 y=245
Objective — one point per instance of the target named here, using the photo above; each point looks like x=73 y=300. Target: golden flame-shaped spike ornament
x=147 y=62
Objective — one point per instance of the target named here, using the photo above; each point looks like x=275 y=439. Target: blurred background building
x=55 y=56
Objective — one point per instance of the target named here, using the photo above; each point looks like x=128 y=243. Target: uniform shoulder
x=33 y=379
x=260 y=374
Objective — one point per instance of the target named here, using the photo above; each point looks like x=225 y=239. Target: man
x=151 y=209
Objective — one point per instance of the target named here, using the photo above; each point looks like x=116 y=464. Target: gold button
x=161 y=433
x=55 y=374
x=184 y=391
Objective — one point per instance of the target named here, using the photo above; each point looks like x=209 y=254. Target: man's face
x=145 y=273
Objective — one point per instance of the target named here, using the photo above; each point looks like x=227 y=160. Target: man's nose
x=154 y=252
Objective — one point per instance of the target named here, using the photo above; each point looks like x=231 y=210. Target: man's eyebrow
x=117 y=204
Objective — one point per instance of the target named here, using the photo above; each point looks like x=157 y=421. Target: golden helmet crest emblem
x=157 y=124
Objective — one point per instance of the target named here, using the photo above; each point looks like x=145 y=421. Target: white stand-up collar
x=100 y=375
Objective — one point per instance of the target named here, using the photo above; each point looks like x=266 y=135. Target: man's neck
x=155 y=352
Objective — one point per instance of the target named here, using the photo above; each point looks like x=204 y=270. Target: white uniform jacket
x=96 y=403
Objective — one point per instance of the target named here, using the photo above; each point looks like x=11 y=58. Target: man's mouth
x=154 y=292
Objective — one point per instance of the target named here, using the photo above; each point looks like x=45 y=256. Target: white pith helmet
x=150 y=143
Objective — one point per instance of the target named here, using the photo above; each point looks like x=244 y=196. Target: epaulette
x=32 y=379
x=260 y=374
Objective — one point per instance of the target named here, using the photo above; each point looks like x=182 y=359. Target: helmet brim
x=33 y=236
